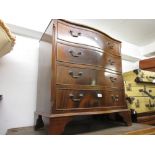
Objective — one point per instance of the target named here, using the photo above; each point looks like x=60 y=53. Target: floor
x=91 y=126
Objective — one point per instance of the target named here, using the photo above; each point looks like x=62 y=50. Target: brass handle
x=73 y=34
x=74 y=54
x=75 y=76
x=110 y=45
x=76 y=99
x=111 y=62
x=113 y=79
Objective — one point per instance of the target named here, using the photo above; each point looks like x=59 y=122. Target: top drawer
x=76 y=34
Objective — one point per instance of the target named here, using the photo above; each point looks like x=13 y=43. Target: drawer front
x=113 y=80
x=75 y=34
x=84 y=76
x=112 y=62
x=112 y=47
x=115 y=97
x=79 y=99
x=78 y=55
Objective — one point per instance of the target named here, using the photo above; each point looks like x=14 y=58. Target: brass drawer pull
x=74 y=54
x=75 y=76
x=110 y=45
x=73 y=34
x=113 y=79
x=76 y=99
x=111 y=62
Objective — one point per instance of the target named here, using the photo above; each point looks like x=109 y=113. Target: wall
x=128 y=66
x=131 y=50
x=18 y=77
x=128 y=50
x=149 y=49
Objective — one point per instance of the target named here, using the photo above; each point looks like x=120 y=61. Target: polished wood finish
x=79 y=35
x=147 y=64
x=126 y=117
x=80 y=73
x=82 y=35
x=75 y=99
x=84 y=99
x=75 y=54
x=146 y=118
x=57 y=125
x=84 y=76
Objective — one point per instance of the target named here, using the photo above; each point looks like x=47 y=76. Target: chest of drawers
x=79 y=73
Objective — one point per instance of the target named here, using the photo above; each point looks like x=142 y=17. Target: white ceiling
x=138 y=32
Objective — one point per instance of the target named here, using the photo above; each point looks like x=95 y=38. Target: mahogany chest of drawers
x=80 y=73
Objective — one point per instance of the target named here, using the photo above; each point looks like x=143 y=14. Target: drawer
x=112 y=47
x=115 y=97
x=76 y=34
x=74 y=54
x=85 y=76
x=79 y=99
x=112 y=62
x=112 y=79
x=68 y=99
